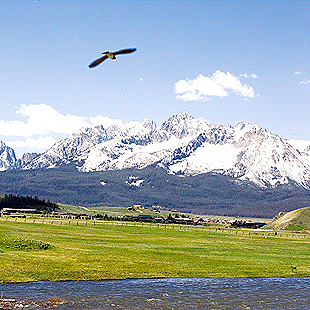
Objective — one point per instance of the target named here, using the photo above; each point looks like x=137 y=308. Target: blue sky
x=225 y=61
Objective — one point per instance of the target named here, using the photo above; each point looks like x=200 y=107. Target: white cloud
x=103 y=120
x=250 y=76
x=305 y=82
x=203 y=87
x=41 y=143
x=42 y=119
x=43 y=123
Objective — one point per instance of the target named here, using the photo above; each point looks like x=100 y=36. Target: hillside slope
x=295 y=220
x=207 y=193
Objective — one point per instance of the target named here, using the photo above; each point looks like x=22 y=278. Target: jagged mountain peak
x=26 y=159
x=149 y=124
x=177 y=120
x=246 y=127
x=182 y=145
x=7 y=156
x=183 y=124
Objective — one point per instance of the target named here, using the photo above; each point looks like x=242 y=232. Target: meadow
x=62 y=250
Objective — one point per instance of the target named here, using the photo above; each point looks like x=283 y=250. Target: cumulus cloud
x=102 y=120
x=40 y=119
x=42 y=123
x=305 y=82
x=43 y=119
x=219 y=84
x=297 y=73
x=32 y=143
x=250 y=76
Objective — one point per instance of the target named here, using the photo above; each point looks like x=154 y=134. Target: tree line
x=28 y=202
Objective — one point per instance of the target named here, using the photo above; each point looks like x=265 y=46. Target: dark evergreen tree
x=19 y=202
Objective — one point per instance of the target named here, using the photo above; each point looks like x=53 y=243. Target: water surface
x=280 y=293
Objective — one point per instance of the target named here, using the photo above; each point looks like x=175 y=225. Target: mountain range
x=182 y=145
x=185 y=163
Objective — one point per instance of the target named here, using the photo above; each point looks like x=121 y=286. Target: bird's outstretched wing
x=125 y=51
x=98 y=61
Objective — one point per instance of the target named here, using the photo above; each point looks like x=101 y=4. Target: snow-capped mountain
x=184 y=145
x=7 y=156
x=25 y=160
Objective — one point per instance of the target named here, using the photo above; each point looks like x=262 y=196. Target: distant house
x=159 y=219
x=245 y=224
x=198 y=221
x=184 y=220
x=5 y=212
x=8 y=211
x=84 y=217
x=18 y=216
x=63 y=215
x=127 y=217
x=208 y=220
x=144 y=218
x=66 y=216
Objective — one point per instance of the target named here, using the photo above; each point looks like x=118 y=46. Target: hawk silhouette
x=111 y=55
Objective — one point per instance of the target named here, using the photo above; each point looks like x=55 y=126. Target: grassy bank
x=58 y=250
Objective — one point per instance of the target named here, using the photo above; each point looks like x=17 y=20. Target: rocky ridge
x=7 y=157
x=182 y=145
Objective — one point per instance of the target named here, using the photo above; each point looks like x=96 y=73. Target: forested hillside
x=20 y=202
x=202 y=194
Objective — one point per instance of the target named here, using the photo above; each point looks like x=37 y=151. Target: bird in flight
x=111 y=55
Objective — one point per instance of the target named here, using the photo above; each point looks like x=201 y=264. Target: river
x=246 y=293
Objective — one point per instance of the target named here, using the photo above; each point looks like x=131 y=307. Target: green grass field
x=120 y=211
x=55 y=250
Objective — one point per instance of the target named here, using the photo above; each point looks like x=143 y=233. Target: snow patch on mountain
x=300 y=145
x=184 y=145
x=206 y=158
x=134 y=181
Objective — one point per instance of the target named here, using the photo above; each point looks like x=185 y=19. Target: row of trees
x=28 y=202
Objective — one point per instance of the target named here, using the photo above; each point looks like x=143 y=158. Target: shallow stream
x=280 y=293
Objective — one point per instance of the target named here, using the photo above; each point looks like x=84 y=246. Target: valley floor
x=62 y=250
